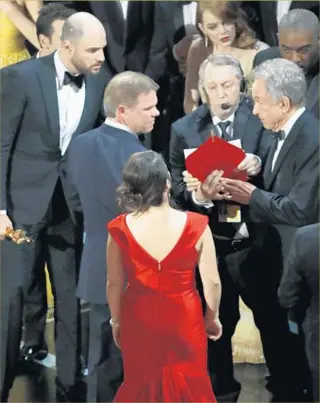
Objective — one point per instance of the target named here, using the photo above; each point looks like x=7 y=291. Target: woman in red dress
x=156 y=311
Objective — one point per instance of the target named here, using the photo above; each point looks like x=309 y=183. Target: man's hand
x=192 y=183
x=211 y=188
x=238 y=191
x=4 y=224
x=251 y=164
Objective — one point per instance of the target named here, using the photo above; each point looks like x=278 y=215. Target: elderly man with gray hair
x=96 y=161
x=291 y=175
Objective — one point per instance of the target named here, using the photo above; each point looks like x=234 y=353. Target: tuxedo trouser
x=105 y=370
x=35 y=305
x=62 y=243
x=255 y=276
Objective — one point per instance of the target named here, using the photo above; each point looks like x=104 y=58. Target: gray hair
x=124 y=88
x=283 y=79
x=300 y=20
x=221 y=60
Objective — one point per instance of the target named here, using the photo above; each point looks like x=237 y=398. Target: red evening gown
x=163 y=339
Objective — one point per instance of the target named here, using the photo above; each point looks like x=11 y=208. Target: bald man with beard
x=45 y=103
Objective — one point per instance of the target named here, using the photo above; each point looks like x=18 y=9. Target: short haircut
x=221 y=60
x=124 y=88
x=300 y=20
x=48 y=15
x=283 y=79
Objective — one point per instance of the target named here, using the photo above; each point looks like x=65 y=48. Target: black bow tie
x=280 y=135
x=69 y=78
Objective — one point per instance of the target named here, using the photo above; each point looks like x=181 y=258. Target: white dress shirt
x=71 y=103
x=190 y=17
x=286 y=128
x=283 y=7
x=124 y=8
x=117 y=125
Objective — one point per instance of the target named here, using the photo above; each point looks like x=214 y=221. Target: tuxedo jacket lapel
x=133 y=23
x=286 y=147
x=205 y=124
x=178 y=21
x=240 y=124
x=110 y=12
x=47 y=79
x=87 y=108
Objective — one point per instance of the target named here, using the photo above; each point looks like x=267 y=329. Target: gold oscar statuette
x=18 y=236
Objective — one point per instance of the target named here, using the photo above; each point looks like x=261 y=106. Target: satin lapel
x=47 y=79
x=178 y=21
x=287 y=145
x=133 y=23
x=205 y=124
x=240 y=124
x=89 y=99
x=114 y=16
x=313 y=93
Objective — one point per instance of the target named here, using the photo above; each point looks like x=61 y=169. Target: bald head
x=83 y=40
x=79 y=25
x=300 y=20
x=299 y=38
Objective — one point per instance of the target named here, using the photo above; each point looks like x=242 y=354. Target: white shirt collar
x=216 y=120
x=290 y=123
x=117 y=125
x=60 y=68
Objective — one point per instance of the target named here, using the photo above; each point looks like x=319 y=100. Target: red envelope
x=216 y=154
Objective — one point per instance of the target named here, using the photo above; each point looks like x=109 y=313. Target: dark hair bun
x=129 y=200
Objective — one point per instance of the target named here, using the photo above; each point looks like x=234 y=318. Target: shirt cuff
x=174 y=53
x=3 y=212
x=259 y=159
x=206 y=204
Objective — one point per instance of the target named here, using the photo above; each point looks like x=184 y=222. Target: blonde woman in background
x=224 y=30
x=17 y=24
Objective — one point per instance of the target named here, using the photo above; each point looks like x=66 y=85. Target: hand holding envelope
x=216 y=154
x=209 y=185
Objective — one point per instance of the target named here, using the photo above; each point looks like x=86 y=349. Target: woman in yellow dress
x=17 y=23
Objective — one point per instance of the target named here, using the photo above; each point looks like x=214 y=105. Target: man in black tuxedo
x=130 y=31
x=175 y=25
x=298 y=42
x=299 y=292
x=130 y=105
x=49 y=26
x=271 y=13
x=228 y=114
x=39 y=118
x=291 y=173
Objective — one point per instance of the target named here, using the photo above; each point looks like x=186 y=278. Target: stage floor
x=36 y=381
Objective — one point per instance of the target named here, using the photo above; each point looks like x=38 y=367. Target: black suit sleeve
x=71 y=168
x=13 y=102
x=298 y=207
x=156 y=64
x=292 y=291
x=258 y=59
x=177 y=163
